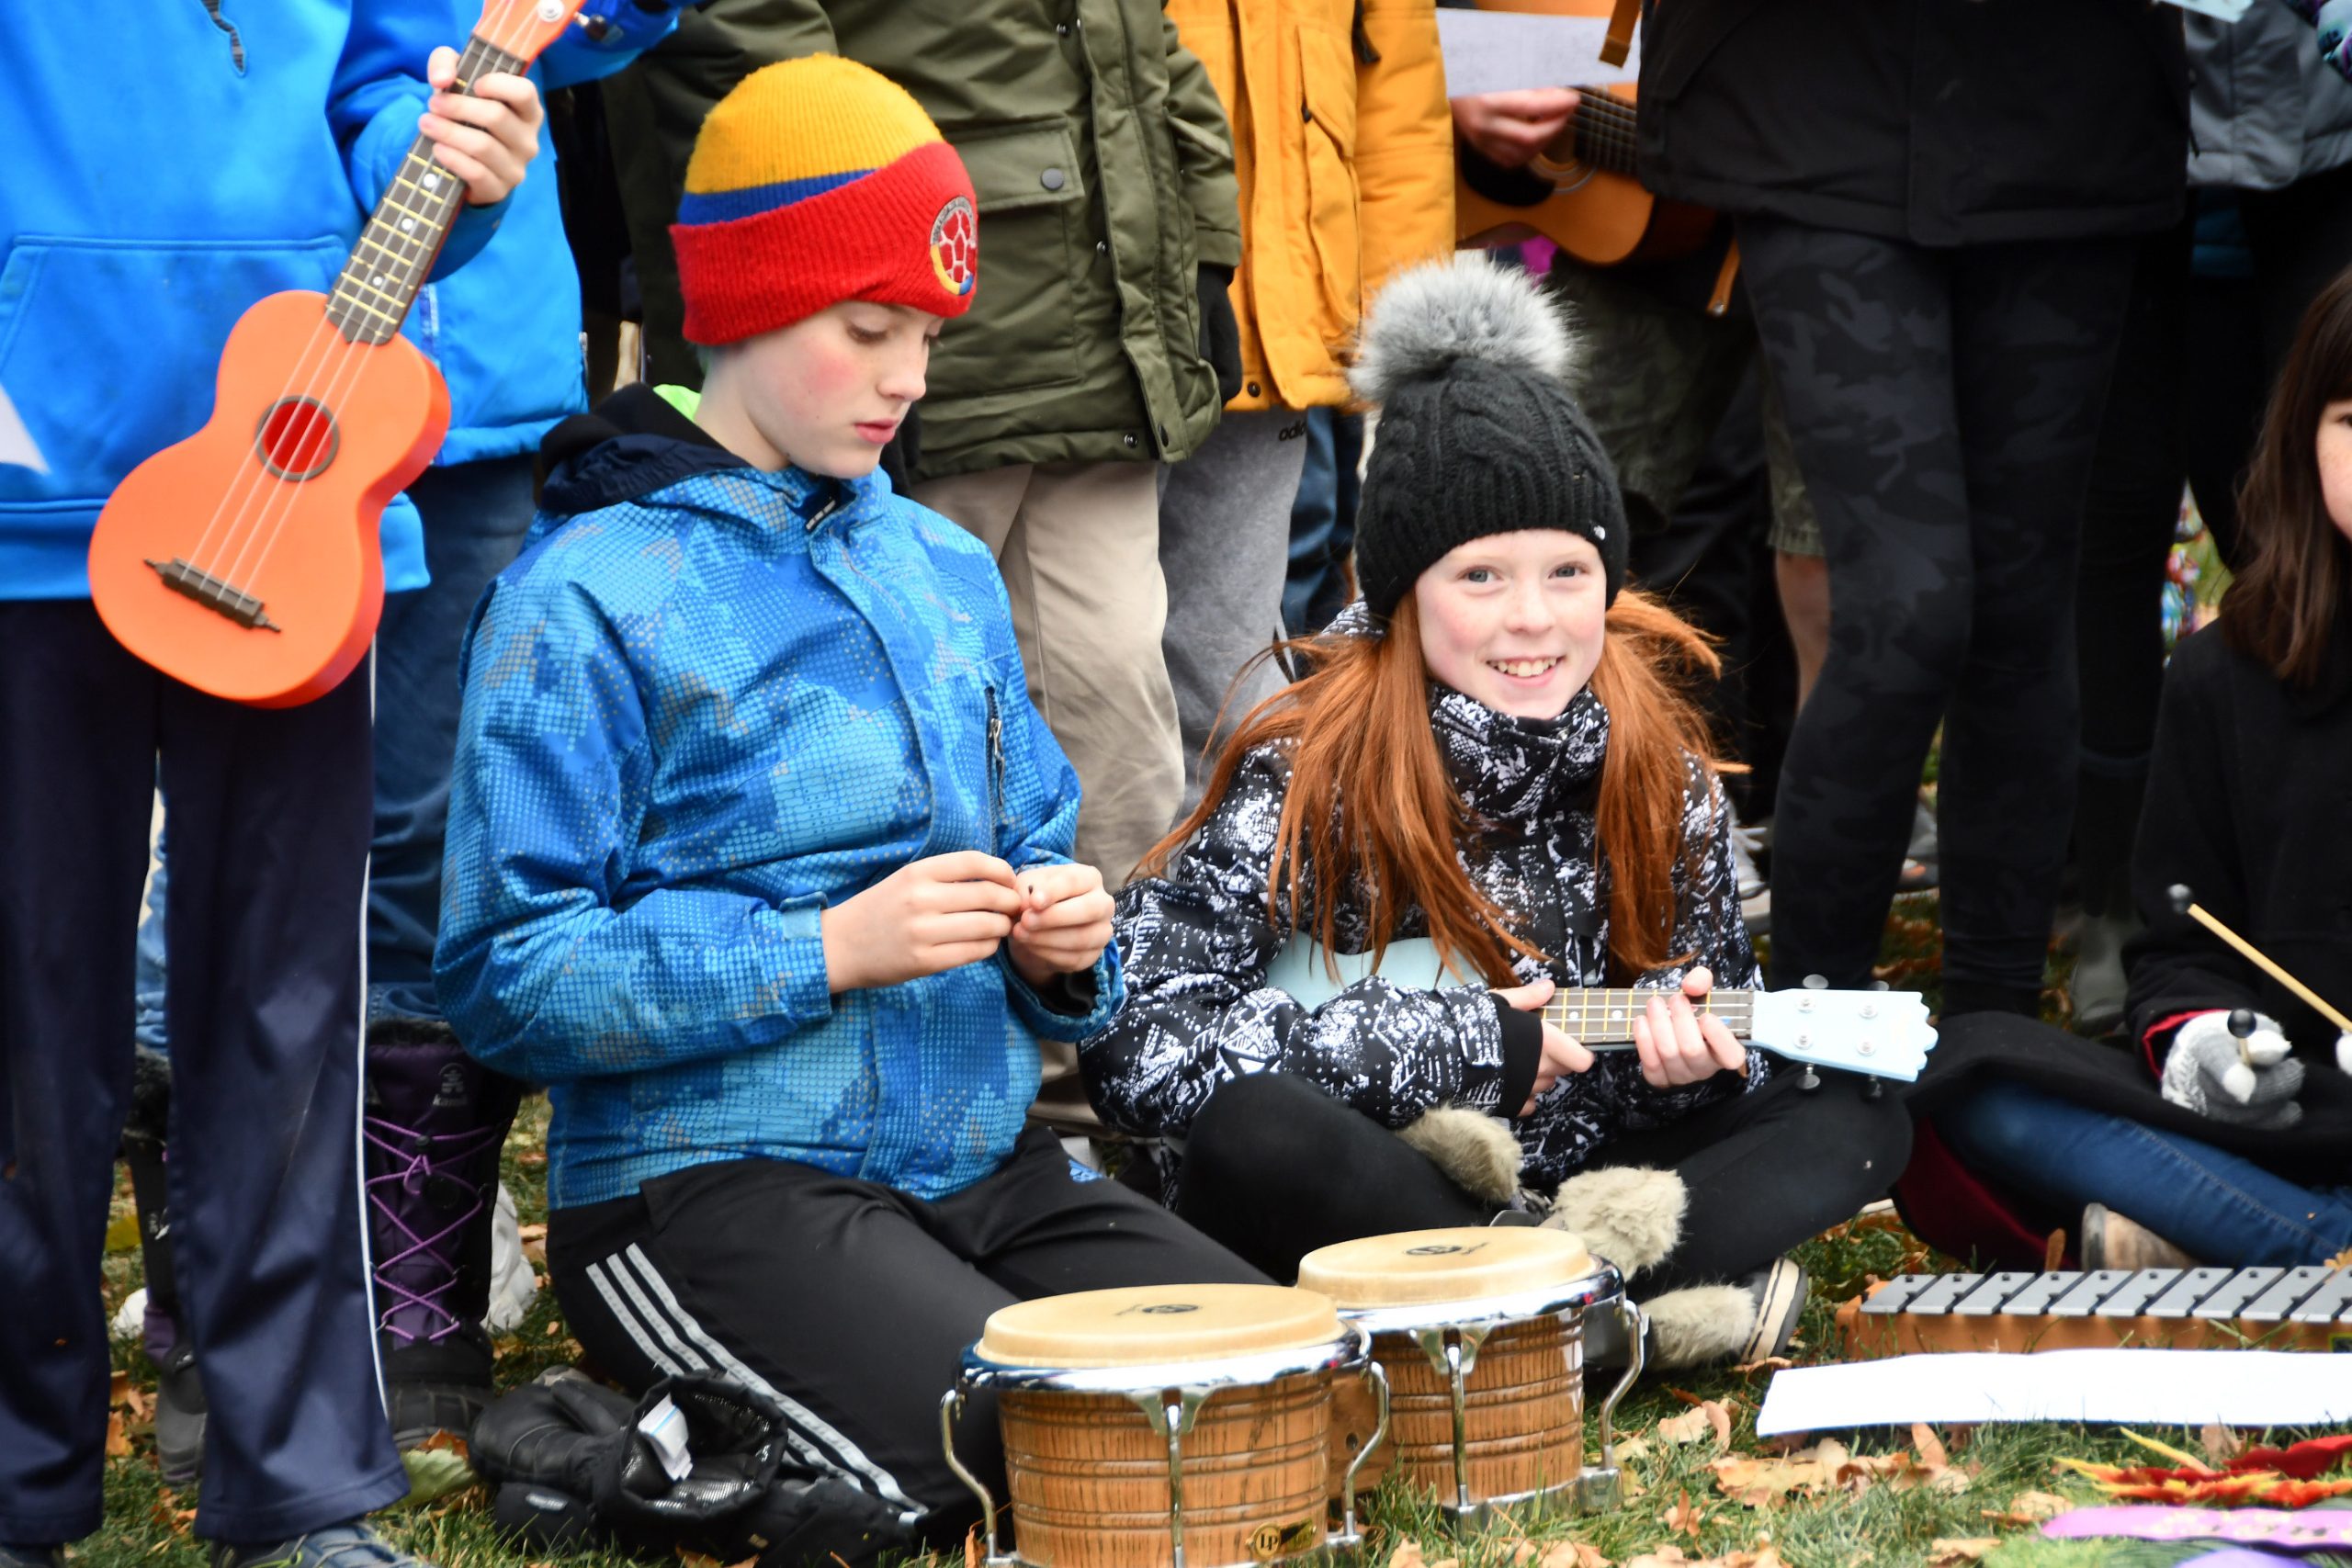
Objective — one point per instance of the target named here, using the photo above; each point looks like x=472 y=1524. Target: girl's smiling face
x=1515 y=620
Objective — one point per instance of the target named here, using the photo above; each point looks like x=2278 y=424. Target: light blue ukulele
x=1884 y=1034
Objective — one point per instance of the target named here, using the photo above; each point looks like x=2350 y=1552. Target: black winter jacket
x=1194 y=946
x=1940 y=122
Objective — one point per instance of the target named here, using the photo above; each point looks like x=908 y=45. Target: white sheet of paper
x=1502 y=51
x=16 y=444
x=2227 y=10
x=2174 y=1388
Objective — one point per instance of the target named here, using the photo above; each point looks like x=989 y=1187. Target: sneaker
x=2098 y=985
x=2110 y=1241
x=31 y=1556
x=1919 y=869
x=179 y=1417
x=355 y=1544
x=1779 y=1290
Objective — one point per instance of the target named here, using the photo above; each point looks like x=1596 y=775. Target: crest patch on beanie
x=816 y=181
x=955 y=246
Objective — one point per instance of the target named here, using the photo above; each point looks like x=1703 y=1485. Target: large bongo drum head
x=1462 y=1263
x=1156 y=1326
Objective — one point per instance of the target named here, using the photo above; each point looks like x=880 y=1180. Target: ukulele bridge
x=214 y=593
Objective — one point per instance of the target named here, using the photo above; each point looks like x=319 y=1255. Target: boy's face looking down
x=825 y=393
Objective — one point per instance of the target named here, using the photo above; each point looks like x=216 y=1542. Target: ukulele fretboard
x=379 y=280
x=1603 y=1017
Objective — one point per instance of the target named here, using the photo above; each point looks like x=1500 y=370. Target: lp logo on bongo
x=955 y=246
x=1159 y=1309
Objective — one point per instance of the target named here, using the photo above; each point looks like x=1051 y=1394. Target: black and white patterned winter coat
x=1195 y=944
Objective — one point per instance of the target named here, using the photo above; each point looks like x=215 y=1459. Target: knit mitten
x=2205 y=1072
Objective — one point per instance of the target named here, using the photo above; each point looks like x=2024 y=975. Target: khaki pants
x=1078 y=545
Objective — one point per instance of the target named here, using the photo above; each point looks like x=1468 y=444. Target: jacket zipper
x=996 y=763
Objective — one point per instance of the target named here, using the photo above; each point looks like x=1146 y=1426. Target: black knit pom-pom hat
x=1478 y=434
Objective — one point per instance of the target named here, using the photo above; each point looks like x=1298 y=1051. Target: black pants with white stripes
x=851 y=1303
x=271 y=811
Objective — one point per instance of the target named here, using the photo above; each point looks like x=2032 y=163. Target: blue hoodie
x=705 y=703
x=175 y=164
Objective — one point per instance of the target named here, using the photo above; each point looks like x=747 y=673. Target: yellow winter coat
x=1346 y=169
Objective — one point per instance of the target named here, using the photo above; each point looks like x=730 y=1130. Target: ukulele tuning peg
x=1816 y=982
x=1879 y=986
x=1809 y=1081
x=1874 y=1090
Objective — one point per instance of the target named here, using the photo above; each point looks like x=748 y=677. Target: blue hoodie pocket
x=108 y=349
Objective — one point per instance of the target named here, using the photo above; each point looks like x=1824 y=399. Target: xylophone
x=2270 y=1309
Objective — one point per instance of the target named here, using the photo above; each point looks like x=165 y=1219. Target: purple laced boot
x=434 y=1122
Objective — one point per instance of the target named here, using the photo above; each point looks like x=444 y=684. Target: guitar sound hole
x=297 y=438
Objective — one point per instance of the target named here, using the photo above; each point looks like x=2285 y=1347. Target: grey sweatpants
x=1224 y=550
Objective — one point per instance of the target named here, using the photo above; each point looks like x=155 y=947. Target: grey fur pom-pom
x=1433 y=316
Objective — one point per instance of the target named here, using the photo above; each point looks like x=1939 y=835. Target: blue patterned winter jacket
x=706 y=701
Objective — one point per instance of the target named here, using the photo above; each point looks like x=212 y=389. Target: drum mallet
x=2184 y=902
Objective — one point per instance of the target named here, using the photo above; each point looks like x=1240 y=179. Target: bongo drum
x=1481 y=1331
x=1186 y=1426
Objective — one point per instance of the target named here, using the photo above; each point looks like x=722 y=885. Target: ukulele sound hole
x=296 y=439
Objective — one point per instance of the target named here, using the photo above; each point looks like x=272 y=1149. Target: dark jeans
x=269 y=844
x=851 y=1303
x=1944 y=406
x=475 y=516
x=1274 y=1168
x=2222 y=1208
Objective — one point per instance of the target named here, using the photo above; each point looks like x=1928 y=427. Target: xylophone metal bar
x=1992 y=1295
x=2332 y=1303
x=2186 y=1293
x=2089 y=1290
x=2284 y=1296
x=2232 y=1299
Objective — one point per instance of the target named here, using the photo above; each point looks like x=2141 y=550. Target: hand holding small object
x=926 y=917
x=1064 y=922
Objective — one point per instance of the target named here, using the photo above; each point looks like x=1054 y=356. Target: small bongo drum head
x=1463 y=1263
x=1153 y=1325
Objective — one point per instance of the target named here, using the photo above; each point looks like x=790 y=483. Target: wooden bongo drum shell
x=1088 y=1467
x=1504 y=1298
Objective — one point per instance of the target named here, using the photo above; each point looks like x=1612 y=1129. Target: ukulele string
x=248 y=484
x=259 y=484
x=360 y=358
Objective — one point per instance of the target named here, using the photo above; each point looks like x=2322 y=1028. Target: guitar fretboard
x=1603 y=128
x=1600 y=1018
x=390 y=264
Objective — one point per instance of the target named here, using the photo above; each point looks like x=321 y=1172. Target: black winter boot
x=436 y=1120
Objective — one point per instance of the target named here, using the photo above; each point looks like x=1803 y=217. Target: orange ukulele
x=245 y=560
x=1597 y=211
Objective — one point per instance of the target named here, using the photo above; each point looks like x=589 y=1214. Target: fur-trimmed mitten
x=1702 y=1325
x=1476 y=1153
x=2205 y=1072
x=1630 y=1215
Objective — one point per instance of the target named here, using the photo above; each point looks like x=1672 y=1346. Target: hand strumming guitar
x=1509 y=128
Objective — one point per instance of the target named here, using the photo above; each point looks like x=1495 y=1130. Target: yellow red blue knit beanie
x=815 y=181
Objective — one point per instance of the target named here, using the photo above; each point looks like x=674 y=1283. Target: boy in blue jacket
x=236 y=152
x=758 y=853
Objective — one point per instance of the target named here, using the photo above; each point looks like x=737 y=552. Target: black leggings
x=1944 y=406
x=1275 y=1168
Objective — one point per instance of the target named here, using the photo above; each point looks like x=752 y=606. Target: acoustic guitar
x=1596 y=210
x=245 y=560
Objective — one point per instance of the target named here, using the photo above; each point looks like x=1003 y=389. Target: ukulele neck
x=1600 y=1018
x=396 y=251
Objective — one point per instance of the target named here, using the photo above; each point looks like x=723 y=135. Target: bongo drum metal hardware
x=1438 y=1302
x=1171 y=1396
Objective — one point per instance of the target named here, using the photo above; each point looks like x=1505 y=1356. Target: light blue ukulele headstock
x=1883 y=1034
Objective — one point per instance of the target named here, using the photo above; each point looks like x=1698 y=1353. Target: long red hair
x=1369 y=801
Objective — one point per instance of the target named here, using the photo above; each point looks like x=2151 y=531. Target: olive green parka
x=1105 y=171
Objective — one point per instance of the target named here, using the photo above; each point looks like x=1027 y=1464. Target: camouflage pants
x=1944 y=406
